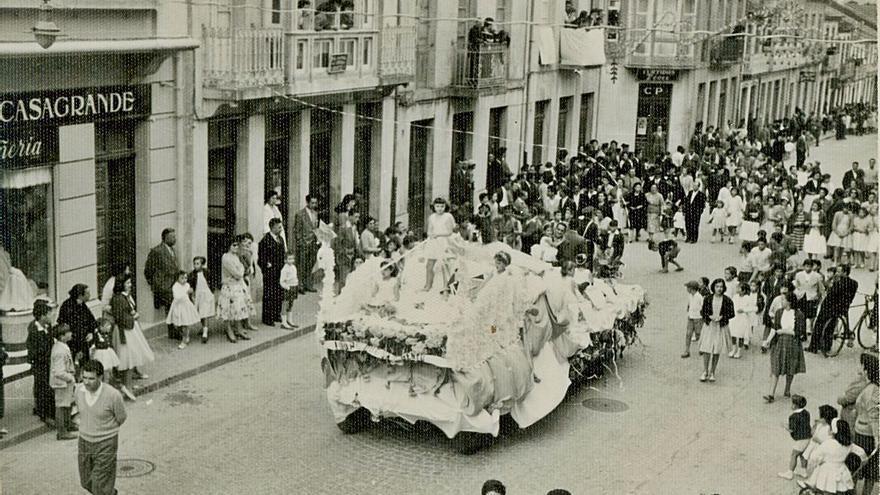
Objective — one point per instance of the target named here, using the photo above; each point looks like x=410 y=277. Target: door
x=653 y=112
x=114 y=197
x=222 y=149
x=497 y=129
x=363 y=153
x=321 y=147
x=462 y=132
x=586 y=118
x=278 y=158
x=418 y=163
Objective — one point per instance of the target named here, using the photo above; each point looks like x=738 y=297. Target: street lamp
x=45 y=31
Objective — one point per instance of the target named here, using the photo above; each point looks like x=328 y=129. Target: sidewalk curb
x=12 y=440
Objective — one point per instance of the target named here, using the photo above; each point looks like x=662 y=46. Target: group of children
x=194 y=301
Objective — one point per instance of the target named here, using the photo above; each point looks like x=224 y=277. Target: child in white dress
x=678 y=223
x=102 y=346
x=718 y=220
x=441 y=224
x=183 y=312
x=744 y=305
x=203 y=296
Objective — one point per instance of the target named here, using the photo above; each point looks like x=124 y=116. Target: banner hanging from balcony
x=548 y=52
x=582 y=47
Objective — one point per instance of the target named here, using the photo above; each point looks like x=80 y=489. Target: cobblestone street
x=262 y=424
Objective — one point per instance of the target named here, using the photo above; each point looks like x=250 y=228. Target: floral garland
x=591 y=362
x=391 y=337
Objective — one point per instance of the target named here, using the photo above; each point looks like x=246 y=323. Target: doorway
x=653 y=111
x=114 y=197
x=363 y=153
x=222 y=147
x=320 y=159
x=419 y=147
x=278 y=158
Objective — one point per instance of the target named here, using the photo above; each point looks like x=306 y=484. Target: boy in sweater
x=102 y=412
x=62 y=380
x=289 y=282
x=800 y=429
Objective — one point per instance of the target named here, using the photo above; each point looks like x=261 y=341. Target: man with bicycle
x=838 y=297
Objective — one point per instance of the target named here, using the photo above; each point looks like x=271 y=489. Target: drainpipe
x=524 y=140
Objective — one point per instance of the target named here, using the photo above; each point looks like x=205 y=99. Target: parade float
x=481 y=345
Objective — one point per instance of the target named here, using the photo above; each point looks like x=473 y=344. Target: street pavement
x=261 y=424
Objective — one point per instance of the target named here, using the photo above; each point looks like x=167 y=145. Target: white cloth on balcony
x=582 y=47
x=548 y=50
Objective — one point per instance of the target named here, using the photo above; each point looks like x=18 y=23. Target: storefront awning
x=93 y=47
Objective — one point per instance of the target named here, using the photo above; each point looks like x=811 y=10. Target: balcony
x=480 y=71
x=724 y=52
x=242 y=64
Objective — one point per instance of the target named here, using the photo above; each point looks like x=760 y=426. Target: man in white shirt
x=270 y=211
x=759 y=260
x=694 y=319
x=678 y=156
x=808 y=290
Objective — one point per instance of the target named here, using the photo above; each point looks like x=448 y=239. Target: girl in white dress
x=745 y=305
x=735 y=209
x=718 y=221
x=183 y=312
x=840 y=237
x=102 y=346
x=203 y=296
x=831 y=474
x=814 y=241
x=441 y=224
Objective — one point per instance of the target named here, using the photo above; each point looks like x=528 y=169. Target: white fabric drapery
x=582 y=47
x=548 y=50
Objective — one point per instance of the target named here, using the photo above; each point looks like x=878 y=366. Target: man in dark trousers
x=305 y=222
x=836 y=303
x=591 y=233
x=39 y=349
x=101 y=413
x=692 y=207
x=161 y=270
x=271 y=255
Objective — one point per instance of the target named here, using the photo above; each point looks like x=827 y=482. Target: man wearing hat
x=694 y=320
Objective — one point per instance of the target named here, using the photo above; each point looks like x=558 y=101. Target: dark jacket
x=727 y=313
x=160 y=270
x=81 y=321
x=121 y=310
x=839 y=296
x=800 y=323
x=270 y=256
x=39 y=346
x=799 y=425
x=571 y=246
x=617 y=243
x=193 y=280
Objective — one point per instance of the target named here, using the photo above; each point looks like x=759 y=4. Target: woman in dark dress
x=638 y=210
x=77 y=315
x=39 y=347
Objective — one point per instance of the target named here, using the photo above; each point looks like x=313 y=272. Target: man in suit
x=305 y=222
x=161 y=270
x=591 y=233
x=852 y=177
x=693 y=206
x=571 y=246
x=836 y=303
x=271 y=255
x=612 y=238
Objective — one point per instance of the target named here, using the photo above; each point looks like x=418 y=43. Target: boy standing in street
x=694 y=320
x=62 y=380
x=290 y=284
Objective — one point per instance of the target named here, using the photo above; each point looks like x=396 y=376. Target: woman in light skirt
x=131 y=346
x=234 y=304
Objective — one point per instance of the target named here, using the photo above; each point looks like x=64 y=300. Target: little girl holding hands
x=183 y=312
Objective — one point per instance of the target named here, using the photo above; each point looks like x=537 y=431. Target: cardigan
x=122 y=309
x=800 y=322
x=727 y=312
x=81 y=321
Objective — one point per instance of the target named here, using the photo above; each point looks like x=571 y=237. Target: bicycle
x=842 y=333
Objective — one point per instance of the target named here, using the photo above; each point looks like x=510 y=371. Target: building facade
x=93 y=133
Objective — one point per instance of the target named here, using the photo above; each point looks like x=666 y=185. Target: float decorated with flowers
x=492 y=332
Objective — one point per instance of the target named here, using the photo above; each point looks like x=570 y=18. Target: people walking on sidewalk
x=62 y=379
x=203 y=295
x=101 y=413
x=234 y=304
x=131 y=347
x=160 y=270
x=272 y=254
x=183 y=313
x=39 y=355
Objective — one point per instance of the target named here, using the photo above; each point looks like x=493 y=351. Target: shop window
x=26 y=248
x=301 y=55
x=114 y=197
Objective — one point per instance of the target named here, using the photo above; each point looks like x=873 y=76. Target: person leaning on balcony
x=306 y=15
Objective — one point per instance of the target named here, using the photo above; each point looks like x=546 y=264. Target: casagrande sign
x=29 y=121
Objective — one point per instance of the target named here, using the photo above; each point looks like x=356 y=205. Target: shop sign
x=338 y=63
x=73 y=106
x=807 y=76
x=657 y=75
x=28 y=147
